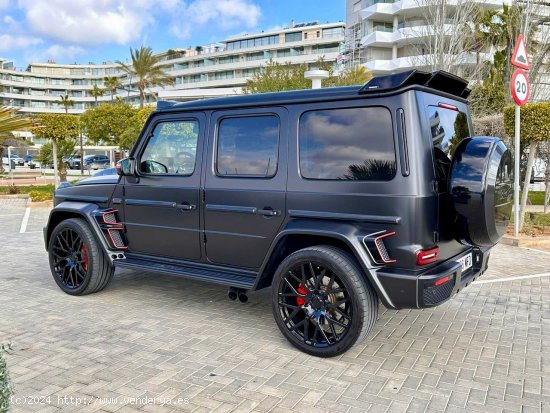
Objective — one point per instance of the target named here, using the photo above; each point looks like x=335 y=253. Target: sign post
x=520 y=89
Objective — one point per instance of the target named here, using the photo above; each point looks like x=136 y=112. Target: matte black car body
x=236 y=231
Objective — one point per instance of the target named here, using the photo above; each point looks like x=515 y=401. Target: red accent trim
x=111 y=211
x=85 y=257
x=424 y=257
x=442 y=280
x=387 y=234
x=447 y=106
x=301 y=290
x=113 y=241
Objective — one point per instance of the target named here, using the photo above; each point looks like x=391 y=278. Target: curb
x=525 y=242
x=14 y=196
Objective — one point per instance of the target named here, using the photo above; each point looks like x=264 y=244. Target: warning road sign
x=520 y=87
x=519 y=57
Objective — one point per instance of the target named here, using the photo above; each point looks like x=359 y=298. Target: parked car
x=15 y=158
x=336 y=198
x=28 y=159
x=96 y=161
x=73 y=162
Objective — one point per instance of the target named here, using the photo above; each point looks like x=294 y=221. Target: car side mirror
x=125 y=167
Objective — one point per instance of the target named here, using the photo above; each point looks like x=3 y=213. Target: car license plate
x=466 y=262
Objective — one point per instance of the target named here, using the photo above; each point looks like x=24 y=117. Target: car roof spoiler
x=439 y=80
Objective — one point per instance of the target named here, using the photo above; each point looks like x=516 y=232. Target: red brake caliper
x=85 y=257
x=302 y=290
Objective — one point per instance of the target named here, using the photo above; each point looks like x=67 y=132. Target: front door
x=245 y=187
x=161 y=204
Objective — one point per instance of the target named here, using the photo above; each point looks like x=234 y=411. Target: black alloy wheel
x=78 y=262
x=322 y=302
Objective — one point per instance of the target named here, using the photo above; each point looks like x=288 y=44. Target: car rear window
x=347 y=144
x=448 y=127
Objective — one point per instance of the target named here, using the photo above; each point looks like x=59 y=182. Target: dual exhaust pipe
x=240 y=293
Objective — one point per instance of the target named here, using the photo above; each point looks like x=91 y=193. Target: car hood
x=102 y=179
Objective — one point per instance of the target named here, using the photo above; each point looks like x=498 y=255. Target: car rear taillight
x=424 y=257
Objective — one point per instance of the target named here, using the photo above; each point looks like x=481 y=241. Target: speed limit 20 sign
x=520 y=87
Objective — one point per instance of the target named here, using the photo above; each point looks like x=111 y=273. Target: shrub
x=6 y=389
x=37 y=196
x=12 y=189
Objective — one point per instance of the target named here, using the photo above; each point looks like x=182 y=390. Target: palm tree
x=112 y=83
x=10 y=121
x=96 y=92
x=66 y=102
x=146 y=70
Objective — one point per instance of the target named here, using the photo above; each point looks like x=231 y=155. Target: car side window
x=248 y=146
x=354 y=144
x=171 y=149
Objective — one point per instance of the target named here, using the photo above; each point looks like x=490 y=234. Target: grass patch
x=536 y=197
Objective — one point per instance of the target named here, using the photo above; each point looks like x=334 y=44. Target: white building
x=208 y=71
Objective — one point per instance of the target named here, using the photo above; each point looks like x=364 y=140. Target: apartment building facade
x=214 y=70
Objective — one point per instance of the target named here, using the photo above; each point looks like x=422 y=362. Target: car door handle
x=185 y=207
x=268 y=212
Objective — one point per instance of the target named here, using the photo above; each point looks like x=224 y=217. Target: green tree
x=58 y=128
x=129 y=137
x=10 y=122
x=146 y=71
x=534 y=128
x=65 y=149
x=112 y=83
x=275 y=77
x=66 y=102
x=6 y=389
x=106 y=123
x=96 y=92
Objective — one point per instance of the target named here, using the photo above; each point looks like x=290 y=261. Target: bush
x=12 y=189
x=37 y=196
x=6 y=389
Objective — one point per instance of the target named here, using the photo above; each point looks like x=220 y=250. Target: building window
x=172 y=149
x=333 y=32
x=353 y=144
x=248 y=146
x=293 y=37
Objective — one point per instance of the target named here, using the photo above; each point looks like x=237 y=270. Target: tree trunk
x=54 y=155
x=141 y=98
x=547 y=186
x=1 y=163
x=525 y=192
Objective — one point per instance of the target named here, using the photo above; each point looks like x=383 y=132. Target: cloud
x=86 y=22
x=224 y=14
x=14 y=41
x=55 y=52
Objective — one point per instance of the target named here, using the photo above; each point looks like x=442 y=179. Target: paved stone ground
x=167 y=339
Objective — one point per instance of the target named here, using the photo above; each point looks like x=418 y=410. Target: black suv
x=336 y=198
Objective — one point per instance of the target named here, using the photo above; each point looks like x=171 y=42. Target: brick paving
x=162 y=344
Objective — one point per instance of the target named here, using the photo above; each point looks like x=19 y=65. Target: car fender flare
x=344 y=232
x=81 y=209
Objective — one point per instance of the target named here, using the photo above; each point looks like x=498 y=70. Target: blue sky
x=81 y=31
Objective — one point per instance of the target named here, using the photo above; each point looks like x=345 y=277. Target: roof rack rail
x=439 y=80
x=165 y=104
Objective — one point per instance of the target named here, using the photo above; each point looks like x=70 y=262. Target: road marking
x=520 y=277
x=25 y=220
x=535 y=250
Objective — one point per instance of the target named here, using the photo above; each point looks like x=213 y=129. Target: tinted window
x=350 y=144
x=248 y=146
x=171 y=149
x=448 y=128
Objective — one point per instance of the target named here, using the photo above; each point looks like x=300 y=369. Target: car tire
x=315 y=317
x=78 y=263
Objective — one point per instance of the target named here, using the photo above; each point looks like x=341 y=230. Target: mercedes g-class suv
x=337 y=198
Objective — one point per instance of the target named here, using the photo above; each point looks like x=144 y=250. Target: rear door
x=245 y=185
x=161 y=205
